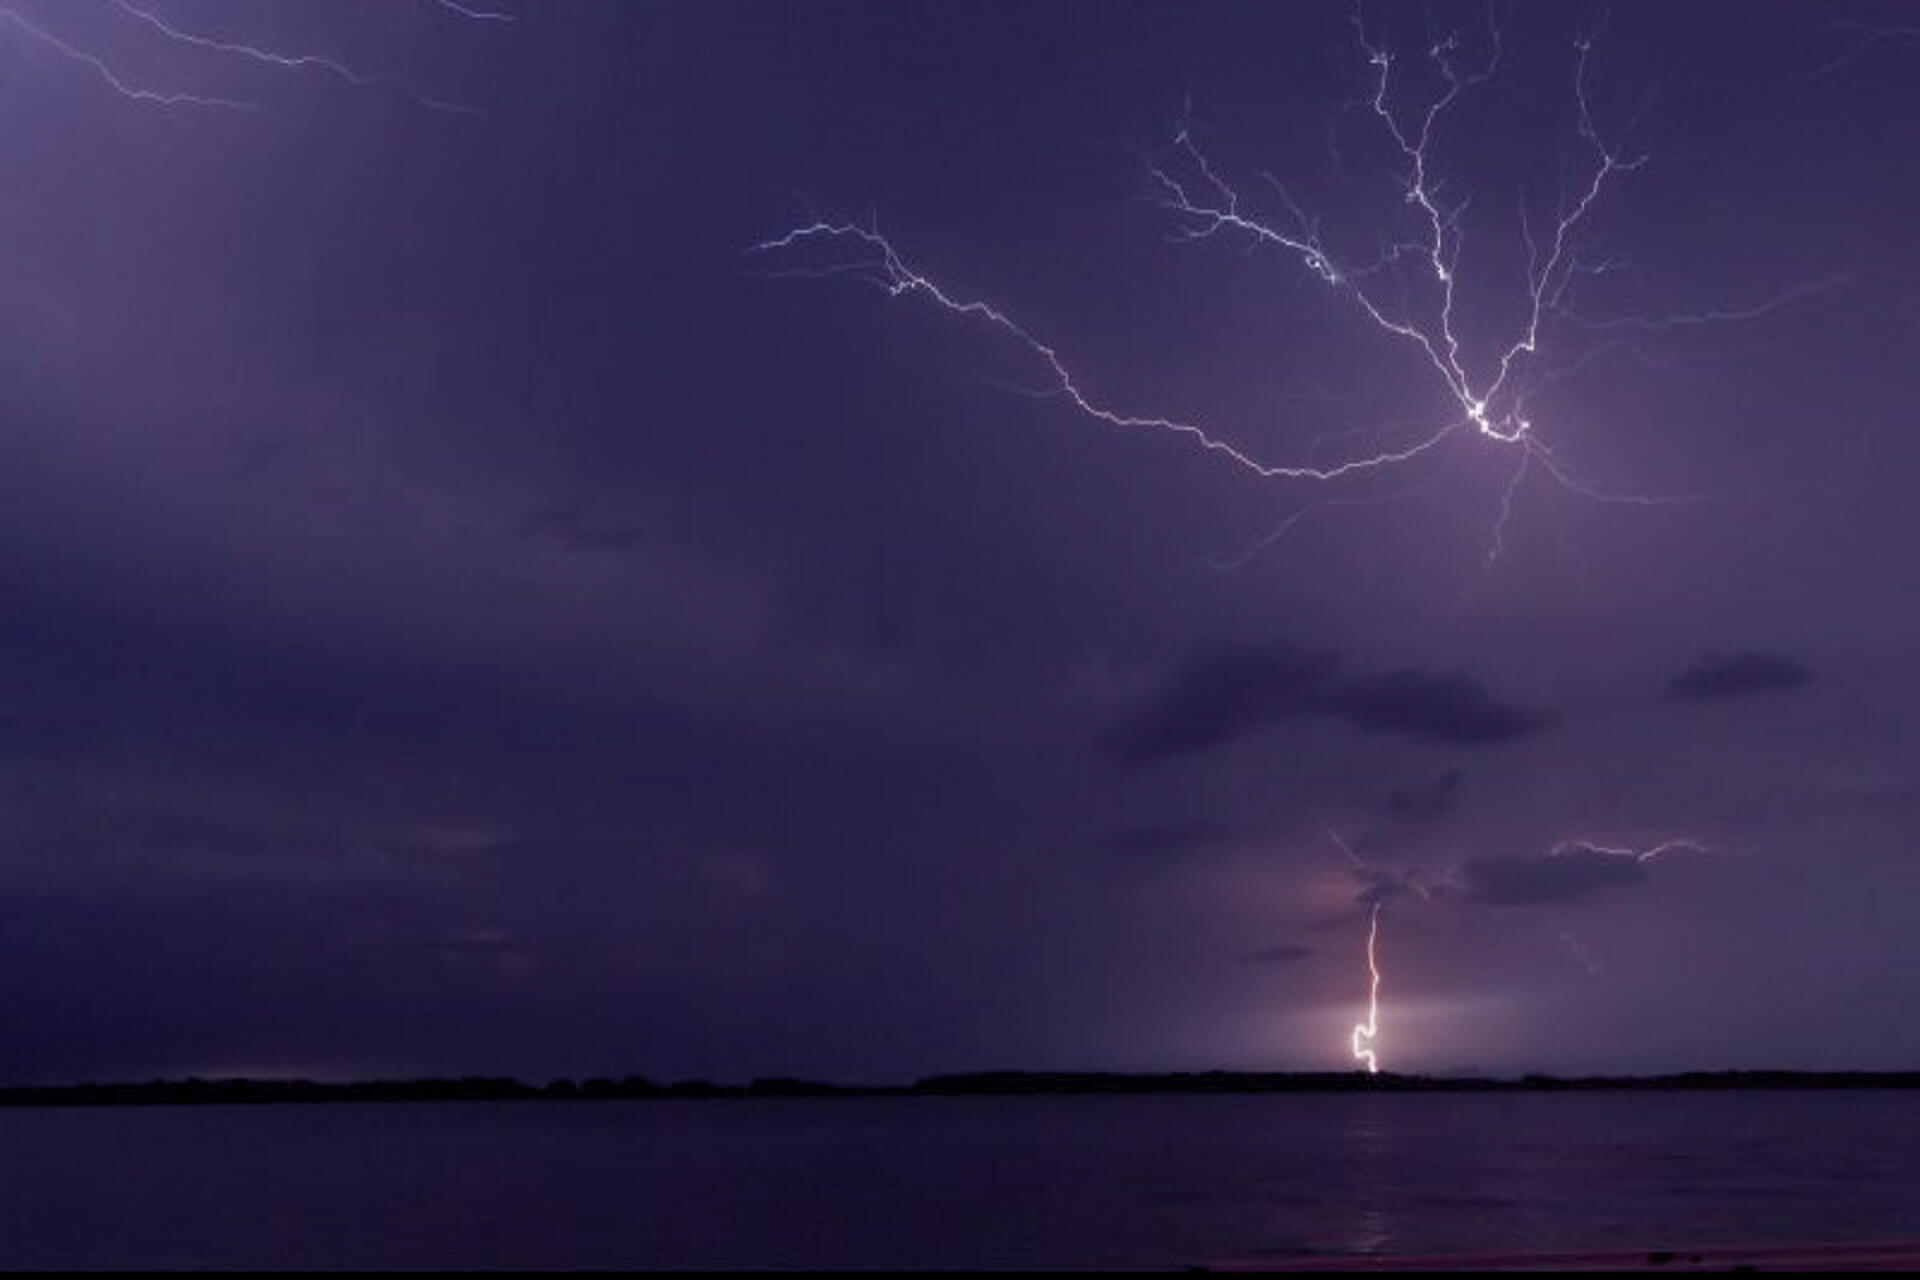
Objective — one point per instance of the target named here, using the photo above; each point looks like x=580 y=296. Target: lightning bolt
x=288 y=62
x=101 y=69
x=106 y=74
x=1409 y=291
x=883 y=265
x=1867 y=35
x=1381 y=888
x=478 y=15
x=1366 y=1034
x=1675 y=845
x=1572 y=944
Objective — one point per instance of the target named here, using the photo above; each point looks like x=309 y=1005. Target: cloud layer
x=1222 y=696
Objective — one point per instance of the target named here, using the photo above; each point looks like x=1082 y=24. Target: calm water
x=1049 y=1182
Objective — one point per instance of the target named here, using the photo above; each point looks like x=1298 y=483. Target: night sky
x=462 y=609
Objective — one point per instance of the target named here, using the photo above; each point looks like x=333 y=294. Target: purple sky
x=462 y=611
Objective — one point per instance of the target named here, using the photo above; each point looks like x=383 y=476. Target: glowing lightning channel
x=1366 y=1034
x=1381 y=888
x=1488 y=400
x=886 y=268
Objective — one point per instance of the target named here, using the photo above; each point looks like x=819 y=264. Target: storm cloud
x=1720 y=676
x=1442 y=707
x=1226 y=695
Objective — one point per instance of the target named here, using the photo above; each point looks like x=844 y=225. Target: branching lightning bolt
x=1488 y=400
x=884 y=266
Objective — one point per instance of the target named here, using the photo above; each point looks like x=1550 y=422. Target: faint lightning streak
x=1347 y=849
x=478 y=15
x=1273 y=538
x=1663 y=324
x=1874 y=35
x=105 y=73
x=289 y=62
x=1676 y=844
x=891 y=273
x=1580 y=954
x=1366 y=1034
x=1499 y=542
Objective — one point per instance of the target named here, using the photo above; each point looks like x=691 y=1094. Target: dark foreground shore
x=988 y=1083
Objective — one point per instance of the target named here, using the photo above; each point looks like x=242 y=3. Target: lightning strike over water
x=1381 y=888
x=1408 y=291
x=1366 y=1034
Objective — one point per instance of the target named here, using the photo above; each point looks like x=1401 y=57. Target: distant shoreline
x=973 y=1084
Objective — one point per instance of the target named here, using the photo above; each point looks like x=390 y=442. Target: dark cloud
x=1569 y=873
x=1737 y=675
x=1448 y=707
x=1425 y=801
x=1229 y=693
x=1225 y=695
x=1280 y=953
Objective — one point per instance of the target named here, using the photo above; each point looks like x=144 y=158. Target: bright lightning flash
x=1366 y=1034
x=1409 y=292
x=1381 y=887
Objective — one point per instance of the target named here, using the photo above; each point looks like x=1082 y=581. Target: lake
x=1153 y=1181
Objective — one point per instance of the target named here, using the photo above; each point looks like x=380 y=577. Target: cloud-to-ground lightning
x=1381 y=888
x=155 y=24
x=1365 y=1040
x=1408 y=291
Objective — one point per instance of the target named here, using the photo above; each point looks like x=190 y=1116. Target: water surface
x=1158 y=1181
